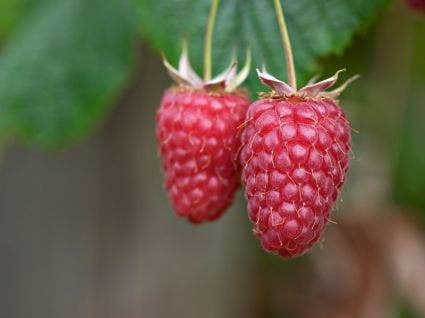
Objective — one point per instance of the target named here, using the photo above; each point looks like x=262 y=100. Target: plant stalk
x=286 y=45
x=208 y=40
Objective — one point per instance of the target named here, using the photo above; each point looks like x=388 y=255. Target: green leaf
x=316 y=28
x=409 y=169
x=409 y=164
x=63 y=67
x=10 y=12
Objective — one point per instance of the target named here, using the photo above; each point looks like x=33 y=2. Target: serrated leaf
x=63 y=66
x=316 y=28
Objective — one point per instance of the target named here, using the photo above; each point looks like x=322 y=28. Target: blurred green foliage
x=406 y=311
x=409 y=162
x=63 y=66
x=409 y=170
x=64 y=61
x=316 y=28
x=10 y=13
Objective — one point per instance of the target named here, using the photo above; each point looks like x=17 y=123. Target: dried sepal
x=337 y=91
x=228 y=80
x=220 y=81
x=175 y=74
x=312 y=89
x=236 y=80
x=280 y=87
x=186 y=70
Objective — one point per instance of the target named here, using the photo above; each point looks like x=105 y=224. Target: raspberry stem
x=286 y=45
x=208 y=40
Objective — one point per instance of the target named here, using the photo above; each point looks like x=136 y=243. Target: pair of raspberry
x=290 y=148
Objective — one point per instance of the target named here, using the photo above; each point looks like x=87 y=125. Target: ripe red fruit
x=294 y=157
x=197 y=131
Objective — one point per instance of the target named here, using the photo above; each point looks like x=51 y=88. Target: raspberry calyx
x=311 y=90
x=227 y=81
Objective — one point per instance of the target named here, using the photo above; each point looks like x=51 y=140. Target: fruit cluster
x=290 y=150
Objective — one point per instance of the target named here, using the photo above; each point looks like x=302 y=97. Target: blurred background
x=86 y=229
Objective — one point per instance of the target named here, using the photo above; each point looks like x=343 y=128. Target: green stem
x=286 y=45
x=208 y=40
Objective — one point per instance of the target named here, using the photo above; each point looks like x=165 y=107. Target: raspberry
x=197 y=131
x=294 y=159
x=197 y=134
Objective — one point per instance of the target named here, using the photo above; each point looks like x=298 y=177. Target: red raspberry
x=294 y=160
x=197 y=134
x=197 y=131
